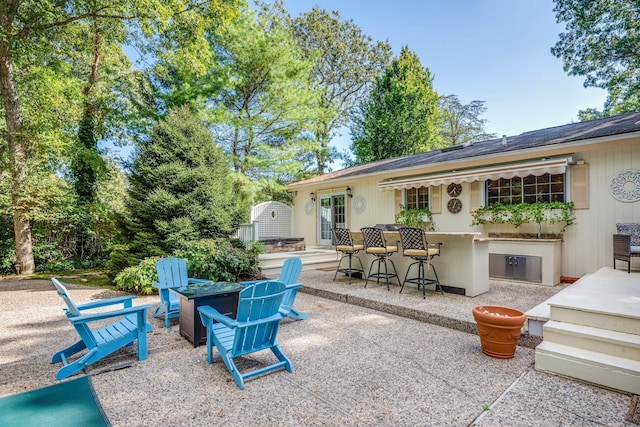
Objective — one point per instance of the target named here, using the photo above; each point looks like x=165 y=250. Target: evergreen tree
x=181 y=189
x=401 y=115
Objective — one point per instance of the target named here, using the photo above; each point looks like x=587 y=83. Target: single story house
x=594 y=164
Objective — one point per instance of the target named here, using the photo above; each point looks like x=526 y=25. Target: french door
x=333 y=213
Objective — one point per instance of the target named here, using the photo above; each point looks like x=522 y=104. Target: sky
x=496 y=51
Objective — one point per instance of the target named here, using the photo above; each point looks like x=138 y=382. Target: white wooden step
x=271 y=264
x=599 y=340
x=609 y=371
x=596 y=317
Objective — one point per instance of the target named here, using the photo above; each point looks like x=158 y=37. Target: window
x=530 y=189
x=416 y=198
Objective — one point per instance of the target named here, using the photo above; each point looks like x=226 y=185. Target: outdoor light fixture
x=349 y=192
x=313 y=196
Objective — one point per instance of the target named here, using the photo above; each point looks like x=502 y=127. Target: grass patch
x=93 y=278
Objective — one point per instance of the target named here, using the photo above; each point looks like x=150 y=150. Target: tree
x=602 y=42
x=94 y=51
x=181 y=188
x=346 y=61
x=462 y=123
x=265 y=101
x=30 y=29
x=401 y=115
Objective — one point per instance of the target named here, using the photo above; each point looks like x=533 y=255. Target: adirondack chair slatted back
x=172 y=272
x=72 y=308
x=290 y=271
x=289 y=277
x=259 y=317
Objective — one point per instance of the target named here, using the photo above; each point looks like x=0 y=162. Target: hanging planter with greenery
x=522 y=213
x=419 y=218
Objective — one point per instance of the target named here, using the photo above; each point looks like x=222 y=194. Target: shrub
x=119 y=259
x=216 y=260
x=138 y=279
x=221 y=259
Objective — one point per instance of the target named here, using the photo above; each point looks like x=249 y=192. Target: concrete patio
x=368 y=357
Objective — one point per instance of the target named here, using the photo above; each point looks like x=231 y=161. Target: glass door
x=333 y=213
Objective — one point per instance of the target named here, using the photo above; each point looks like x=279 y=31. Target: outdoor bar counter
x=463 y=264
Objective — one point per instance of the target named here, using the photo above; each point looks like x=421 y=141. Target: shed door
x=333 y=213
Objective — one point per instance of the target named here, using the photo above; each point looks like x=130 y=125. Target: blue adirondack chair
x=254 y=329
x=172 y=273
x=131 y=325
x=289 y=276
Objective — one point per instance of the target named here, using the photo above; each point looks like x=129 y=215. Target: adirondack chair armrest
x=251 y=282
x=207 y=311
x=85 y=318
x=126 y=300
x=159 y=285
x=294 y=286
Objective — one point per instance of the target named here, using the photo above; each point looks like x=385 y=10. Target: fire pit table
x=223 y=296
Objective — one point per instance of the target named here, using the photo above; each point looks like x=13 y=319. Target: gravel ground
x=363 y=357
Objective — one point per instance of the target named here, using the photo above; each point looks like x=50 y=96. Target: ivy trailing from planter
x=415 y=218
x=522 y=213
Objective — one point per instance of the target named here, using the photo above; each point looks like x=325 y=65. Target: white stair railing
x=247 y=232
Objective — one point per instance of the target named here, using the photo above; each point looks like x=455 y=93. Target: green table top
x=208 y=288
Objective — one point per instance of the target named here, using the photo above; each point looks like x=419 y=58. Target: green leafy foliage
x=221 y=259
x=265 y=101
x=138 y=279
x=419 y=218
x=401 y=115
x=39 y=39
x=216 y=260
x=346 y=61
x=461 y=123
x=521 y=213
x=601 y=42
x=65 y=234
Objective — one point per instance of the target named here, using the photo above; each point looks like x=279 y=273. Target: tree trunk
x=17 y=153
x=322 y=147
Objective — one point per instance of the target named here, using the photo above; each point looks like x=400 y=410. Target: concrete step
x=590 y=366
x=596 y=317
x=598 y=340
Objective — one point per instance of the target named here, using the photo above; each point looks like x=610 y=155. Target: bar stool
x=344 y=244
x=415 y=245
x=375 y=244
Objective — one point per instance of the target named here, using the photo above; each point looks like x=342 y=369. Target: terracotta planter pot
x=499 y=329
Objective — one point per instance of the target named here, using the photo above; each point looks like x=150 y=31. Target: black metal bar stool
x=344 y=243
x=375 y=244
x=414 y=245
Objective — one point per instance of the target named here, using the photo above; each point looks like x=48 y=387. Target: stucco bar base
x=549 y=249
x=463 y=264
